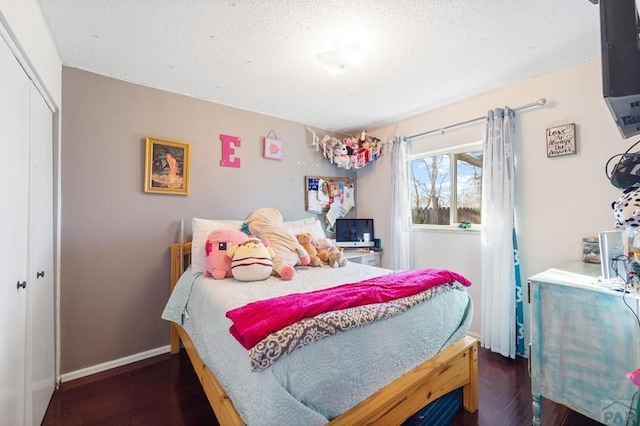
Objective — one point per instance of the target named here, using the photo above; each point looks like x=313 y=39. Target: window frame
x=453 y=197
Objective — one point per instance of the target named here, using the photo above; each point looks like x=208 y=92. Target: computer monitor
x=354 y=233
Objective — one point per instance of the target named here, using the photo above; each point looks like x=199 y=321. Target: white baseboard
x=473 y=335
x=67 y=377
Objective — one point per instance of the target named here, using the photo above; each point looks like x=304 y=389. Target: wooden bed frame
x=454 y=367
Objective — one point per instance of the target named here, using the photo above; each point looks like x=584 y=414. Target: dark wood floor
x=164 y=390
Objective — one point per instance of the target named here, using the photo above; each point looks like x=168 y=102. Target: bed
x=383 y=385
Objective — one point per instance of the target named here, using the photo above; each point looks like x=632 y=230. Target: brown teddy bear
x=306 y=241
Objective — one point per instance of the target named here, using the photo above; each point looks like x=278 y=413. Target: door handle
x=40 y=274
x=22 y=284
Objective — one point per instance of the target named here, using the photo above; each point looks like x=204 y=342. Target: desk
x=371 y=258
x=584 y=340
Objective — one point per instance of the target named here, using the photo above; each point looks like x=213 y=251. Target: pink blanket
x=255 y=321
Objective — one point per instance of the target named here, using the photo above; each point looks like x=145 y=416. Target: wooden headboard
x=180 y=259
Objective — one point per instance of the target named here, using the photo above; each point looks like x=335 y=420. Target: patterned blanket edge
x=308 y=330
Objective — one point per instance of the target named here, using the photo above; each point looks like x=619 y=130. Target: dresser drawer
x=366 y=258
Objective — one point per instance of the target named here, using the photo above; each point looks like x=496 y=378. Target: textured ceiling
x=260 y=55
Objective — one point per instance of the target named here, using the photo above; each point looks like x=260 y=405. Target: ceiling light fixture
x=340 y=60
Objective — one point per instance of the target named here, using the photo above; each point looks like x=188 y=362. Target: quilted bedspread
x=321 y=380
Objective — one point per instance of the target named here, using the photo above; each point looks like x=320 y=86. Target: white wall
x=25 y=30
x=558 y=200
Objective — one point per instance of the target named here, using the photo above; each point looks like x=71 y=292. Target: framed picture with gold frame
x=166 y=166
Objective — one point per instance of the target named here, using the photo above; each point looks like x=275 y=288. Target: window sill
x=446 y=229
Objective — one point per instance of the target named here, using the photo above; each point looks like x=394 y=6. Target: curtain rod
x=441 y=130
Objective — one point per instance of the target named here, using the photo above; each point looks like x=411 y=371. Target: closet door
x=14 y=190
x=40 y=371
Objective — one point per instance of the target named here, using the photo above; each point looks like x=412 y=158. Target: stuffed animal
x=218 y=264
x=322 y=246
x=340 y=156
x=251 y=260
x=627 y=209
x=327 y=146
x=362 y=139
x=329 y=254
x=268 y=222
x=352 y=145
x=336 y=258
x=306 y=240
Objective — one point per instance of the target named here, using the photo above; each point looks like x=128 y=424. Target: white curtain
x=498 y=276
x=398 y=250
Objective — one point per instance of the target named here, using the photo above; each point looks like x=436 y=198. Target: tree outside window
x=446 y=186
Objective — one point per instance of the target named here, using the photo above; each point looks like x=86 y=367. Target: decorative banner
x=561 y=140
x=228 y=151
x=272 y=148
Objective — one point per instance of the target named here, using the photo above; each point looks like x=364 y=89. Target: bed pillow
x=201 y=229
x=305 y=221
x=310 y=226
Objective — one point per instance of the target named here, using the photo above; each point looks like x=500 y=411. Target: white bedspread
x=322 y=380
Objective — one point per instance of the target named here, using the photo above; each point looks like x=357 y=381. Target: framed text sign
x=561 y=140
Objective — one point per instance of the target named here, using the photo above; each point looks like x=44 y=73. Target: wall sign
x=228 y=151
x=561 y=140
x=272 y=149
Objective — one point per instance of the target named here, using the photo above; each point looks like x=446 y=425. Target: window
x=446 y=186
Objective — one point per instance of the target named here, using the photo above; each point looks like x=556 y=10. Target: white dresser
x=584 y=340
x=371 y=258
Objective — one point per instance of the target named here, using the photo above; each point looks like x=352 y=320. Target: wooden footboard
x=455 y=367
x=452 y=368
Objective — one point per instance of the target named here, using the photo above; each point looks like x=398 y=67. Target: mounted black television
x=354 y=233
x=620 y=46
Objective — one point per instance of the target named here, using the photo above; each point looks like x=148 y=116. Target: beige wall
x=115 y=237
x=558 y=200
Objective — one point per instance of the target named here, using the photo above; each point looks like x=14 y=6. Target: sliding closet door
x=40 y=372
x=14 y=190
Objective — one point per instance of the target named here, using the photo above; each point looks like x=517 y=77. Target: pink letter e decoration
x=228 y=151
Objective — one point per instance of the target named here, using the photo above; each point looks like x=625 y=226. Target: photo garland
x=349 y=153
